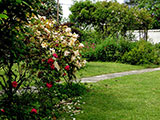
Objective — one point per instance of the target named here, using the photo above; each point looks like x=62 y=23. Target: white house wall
x=153 y=35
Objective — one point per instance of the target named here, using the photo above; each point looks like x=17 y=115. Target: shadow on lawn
x=102 y=104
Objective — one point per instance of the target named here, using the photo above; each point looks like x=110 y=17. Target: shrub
x=111 y=49
x=52 y=55
x=60 y=50
x=143 y=53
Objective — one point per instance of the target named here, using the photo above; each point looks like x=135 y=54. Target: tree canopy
x=152 y=6
x=109 y=17
x=49 y=9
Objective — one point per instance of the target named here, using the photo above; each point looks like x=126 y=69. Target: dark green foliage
x=76 y=89
x=11 y=29
x=13 y=49
x=46 y=102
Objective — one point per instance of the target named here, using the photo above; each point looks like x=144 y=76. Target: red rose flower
x=64 y=74
x=55 y=55
x=40 y=74
x=50 y=61
x=52 y=67
x=14 y=84
x=49 y=85
x=2 y=110
x=56 y=45
x=67 y=68
x=43 y=60
x=34 y=111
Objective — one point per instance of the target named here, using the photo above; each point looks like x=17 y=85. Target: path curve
x=114 y=75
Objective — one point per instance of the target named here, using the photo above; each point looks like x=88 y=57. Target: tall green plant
x=15 y=60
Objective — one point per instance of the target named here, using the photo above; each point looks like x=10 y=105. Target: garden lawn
x=99 y=68
x=134 y=97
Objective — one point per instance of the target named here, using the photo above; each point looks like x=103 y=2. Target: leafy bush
x=111 y=49
x=121 y=50
x=46 y=103
x=34 y=53
x=143 y=53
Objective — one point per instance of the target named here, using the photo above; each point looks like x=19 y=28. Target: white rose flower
x=44 y=45
x=56 y=65
x=40 y=39
x=52 y=50
x=47 y=31
x=48 y=23
x=71 y=43
x=73 y=39
x=66 y=53
x=75 y=35
x=76 y=53
x=42 y=17
x=81 y=45
x=42 y=26
x=38 y=32
x=78 y=64
x=68 y=29
x=61 y=37
x=84 y=63
x=64 y=43
x=69 y=34
x=73 y=58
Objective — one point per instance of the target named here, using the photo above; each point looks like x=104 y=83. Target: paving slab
x=114 y=75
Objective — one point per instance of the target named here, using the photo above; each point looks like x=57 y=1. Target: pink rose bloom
x=49 y=85
x=2 y=110
x=34 y=111
x=55 y=55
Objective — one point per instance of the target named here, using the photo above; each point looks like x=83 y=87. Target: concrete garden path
x=114 y=75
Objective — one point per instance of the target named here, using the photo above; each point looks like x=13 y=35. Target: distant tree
x=130 y=2
x=153 y=6
x=109 y=18
x=49 y=9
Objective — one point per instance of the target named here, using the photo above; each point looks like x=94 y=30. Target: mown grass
x=134 y=97
x=99 y=68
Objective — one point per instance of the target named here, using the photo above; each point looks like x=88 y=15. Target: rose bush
x=53 y=54
x=59 y=50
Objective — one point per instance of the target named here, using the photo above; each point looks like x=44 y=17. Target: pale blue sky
x=67 y=3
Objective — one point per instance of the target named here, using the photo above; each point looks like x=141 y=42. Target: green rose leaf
x=18 y=1
x=3 y=16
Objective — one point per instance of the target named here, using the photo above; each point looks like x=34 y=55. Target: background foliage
x=109 y=18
